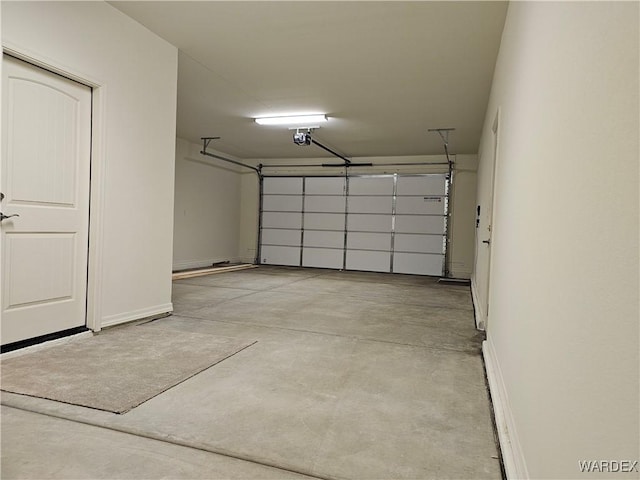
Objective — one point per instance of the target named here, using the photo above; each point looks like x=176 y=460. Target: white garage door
x=380 y=223
x=370 y=223
x=281 y=237
x=324 y=217
x=419 y=240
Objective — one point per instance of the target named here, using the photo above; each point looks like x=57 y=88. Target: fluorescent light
x=291 y=120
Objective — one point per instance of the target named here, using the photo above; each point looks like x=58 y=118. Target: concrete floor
x=353 y=376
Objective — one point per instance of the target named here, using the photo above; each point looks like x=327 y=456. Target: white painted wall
x=249 y=200
x=134 y=151
x=463 y=199
x=207 y=209
x=563 y=323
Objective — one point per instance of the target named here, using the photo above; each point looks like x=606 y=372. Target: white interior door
x=484 y=232
x=44 y=176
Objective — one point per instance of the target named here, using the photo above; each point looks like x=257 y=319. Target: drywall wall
x=207 y=209
x=463 y=198
x=563 y=323
x=134 y=73
x=249 y=207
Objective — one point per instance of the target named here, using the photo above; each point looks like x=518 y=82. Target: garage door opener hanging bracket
x=205 y=143
x=444 y=135
x=258 y=170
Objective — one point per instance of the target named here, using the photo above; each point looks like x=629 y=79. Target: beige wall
x=563 y=324
x=249 y=199
x=207 y=209
x=135 y=75
x=463 y=199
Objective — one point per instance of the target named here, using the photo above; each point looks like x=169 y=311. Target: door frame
x=495 y=137
x=93 y=311
x=482 y=309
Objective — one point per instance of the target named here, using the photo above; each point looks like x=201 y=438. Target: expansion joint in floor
x=181 y=443
x=329 y=334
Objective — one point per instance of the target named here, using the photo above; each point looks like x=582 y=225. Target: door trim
x=495 y=139
x=98 y=155
x=478 y=313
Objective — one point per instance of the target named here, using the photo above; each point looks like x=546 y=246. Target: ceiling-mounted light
x=292 y=120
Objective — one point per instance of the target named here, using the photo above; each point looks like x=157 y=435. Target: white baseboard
x=481 y=319
x=513 y=459
x=464 y=274
x=202 y=263
x=111 y=320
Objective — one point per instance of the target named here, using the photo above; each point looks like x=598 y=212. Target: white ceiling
x=384 y=72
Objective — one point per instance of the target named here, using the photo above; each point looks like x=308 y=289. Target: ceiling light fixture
x=291 y=120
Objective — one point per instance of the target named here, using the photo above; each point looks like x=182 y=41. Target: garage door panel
x=324 y=204
x=418 y=243
x=282 y=203
x=324 y=221
x=369 y=223
x=279 y=255
x=367 y=204
x=423 y=185
x=281 y=237
x=413 y=226
x=314 y=238
x=371 y=186
x=368 y=261
x=286 y=220
x=427 y=205
x=418 y=263
x=322 y=258
x=324 y=186
x=419 y=224
x=369 y=241
x=282 y=185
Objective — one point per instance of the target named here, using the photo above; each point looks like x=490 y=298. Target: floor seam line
x=395 y=302
x=176 y=442
x=252 y=292
x=349 y=337
x=218 y=286
x=275 y=290
x=291 y=283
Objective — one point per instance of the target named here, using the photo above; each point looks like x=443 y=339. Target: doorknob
x=488 y=242
x=4 y=217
